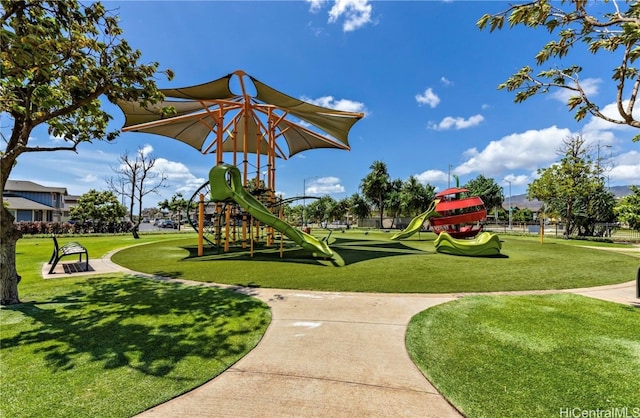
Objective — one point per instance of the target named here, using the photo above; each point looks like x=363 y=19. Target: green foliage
x=58 y=59
x=523 y=215
x=339 y=210
x=98 y=207
x=628 y=209
x=394 y=201
x=175 y=205
x=573 y=189
x=416 y=197
x=574 y=23
x=322 y=210
x=376 y=186
x=360 y=208
x=487 y=189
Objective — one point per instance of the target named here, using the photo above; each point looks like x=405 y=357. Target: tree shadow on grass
x=347 y=251
x=141 y=324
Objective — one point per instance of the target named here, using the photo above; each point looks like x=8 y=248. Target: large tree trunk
x=9 y=277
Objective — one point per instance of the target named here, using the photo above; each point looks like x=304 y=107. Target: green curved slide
x=416 y=223
x=226 y=185
x=483 y=245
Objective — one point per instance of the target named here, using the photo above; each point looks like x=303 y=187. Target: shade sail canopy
x=209 y=113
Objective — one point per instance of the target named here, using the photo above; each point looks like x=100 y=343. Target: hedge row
x=35 y=228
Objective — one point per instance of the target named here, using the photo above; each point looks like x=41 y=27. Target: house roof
x=29 y=186
x=20 y=203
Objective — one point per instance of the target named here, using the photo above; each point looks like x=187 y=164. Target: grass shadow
x=347 y=251
x=142 y=324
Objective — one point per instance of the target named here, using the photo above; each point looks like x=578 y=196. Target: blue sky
x=421 y=71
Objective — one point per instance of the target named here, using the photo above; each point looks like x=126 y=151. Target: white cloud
x=146 y=149
x=589 y=85
x=315 y=5
x=626 y=168
x=330 y=102
x=450 y=122
x=520 y=151
x=446 y=81
x=428 y=98
x=55 y=138
x=89 y=178
x=356 y=13
x=324 y=186
x=517 y=180
x=432 y=176
x=179 y=178
x=596 y=125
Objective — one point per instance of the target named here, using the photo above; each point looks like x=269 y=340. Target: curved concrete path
x=324 y=354
x=329 y=354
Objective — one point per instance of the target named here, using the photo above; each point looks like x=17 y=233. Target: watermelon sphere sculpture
x=461 y=215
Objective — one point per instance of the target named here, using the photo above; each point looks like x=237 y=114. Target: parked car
x=168 y=223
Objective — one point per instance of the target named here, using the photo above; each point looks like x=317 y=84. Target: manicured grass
x=530 y=356
x=373 y=263
x=115 y=345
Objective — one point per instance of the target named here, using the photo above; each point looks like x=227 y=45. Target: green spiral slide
x=226 y=185
x=416 y=223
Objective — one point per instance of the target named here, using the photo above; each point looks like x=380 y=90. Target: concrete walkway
x=327 y=354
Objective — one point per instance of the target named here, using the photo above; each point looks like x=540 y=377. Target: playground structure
x=416 y=223
x=484 y=244
x=454 y=217
x=461 y=215
x=250 y=132
x=226 y=186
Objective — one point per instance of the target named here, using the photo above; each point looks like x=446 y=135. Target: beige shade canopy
x=240 y=122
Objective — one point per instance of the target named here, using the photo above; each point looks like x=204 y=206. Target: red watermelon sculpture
x=461 y=215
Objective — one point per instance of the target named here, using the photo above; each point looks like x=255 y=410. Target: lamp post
x=598 y=157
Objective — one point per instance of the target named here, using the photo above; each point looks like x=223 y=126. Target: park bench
x=70 y=248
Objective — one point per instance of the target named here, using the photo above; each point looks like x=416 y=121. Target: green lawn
x=115 y=345
x=530 y=356
x=373 y=263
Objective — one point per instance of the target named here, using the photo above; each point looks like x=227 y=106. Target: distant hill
x=521 y=201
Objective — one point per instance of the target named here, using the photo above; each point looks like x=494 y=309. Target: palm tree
x=394 y=200
x=360 y=209
x=376 y=186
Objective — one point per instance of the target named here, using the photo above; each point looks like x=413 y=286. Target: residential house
x=29 y=201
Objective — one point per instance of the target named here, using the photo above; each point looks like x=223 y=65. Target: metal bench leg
x=53 y=266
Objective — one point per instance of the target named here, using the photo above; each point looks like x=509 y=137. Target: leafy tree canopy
x=615 y=34
x=98 y=207
x=628 y=209
x=57 y=59
x=376 y=186
x=487 y=189
x=572 y=187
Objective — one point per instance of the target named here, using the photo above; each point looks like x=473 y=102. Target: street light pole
x=598 y=157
